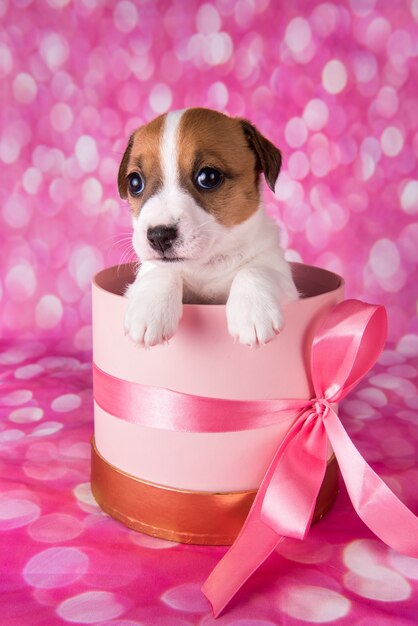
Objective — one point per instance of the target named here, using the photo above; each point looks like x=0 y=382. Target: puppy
x=192 y=179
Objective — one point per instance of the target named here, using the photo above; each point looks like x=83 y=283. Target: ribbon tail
x=379 y=508
x=251 y=548
x=281 y=508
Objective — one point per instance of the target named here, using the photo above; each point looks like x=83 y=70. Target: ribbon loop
x=345 y=347
x=287 y=505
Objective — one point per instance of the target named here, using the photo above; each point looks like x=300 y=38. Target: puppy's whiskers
x=127 y=253
x=123 y=242
x=115 y=238
x=202 y=225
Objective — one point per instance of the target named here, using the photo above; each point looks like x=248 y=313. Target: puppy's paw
x=253 y=321
x=253 y=309
x=151 y=319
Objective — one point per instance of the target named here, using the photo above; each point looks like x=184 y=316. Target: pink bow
x=345 y=347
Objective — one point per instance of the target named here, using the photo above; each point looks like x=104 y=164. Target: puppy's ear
x=269 y=159
x=123 y=168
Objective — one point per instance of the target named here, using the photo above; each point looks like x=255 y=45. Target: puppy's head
x=190 y=177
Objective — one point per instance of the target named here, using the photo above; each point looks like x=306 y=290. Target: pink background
x=335 y=86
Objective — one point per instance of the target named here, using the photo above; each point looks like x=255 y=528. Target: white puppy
x=192 y=179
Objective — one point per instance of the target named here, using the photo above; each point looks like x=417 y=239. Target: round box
x=198 y=487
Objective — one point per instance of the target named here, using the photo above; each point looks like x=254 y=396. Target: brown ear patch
x=123 y=169
x=211 y=139
x=269 y=159
x=142 y=155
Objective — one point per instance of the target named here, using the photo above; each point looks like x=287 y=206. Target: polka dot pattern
x=91 y=607
x=55 y=567
x=333 y=85
x=313 y=604
x=369 y=578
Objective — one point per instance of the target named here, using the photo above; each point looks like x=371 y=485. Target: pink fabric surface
x=333 y=85
x=64 y=561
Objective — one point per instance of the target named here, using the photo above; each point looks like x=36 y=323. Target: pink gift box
x=201 y=359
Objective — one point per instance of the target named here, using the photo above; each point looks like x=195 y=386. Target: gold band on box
x=184 y=516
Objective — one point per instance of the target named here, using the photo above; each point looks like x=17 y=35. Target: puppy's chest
x=207 y=285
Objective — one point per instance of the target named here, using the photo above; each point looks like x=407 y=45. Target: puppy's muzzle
x=161 y=238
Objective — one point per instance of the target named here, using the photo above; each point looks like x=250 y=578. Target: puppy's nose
x=161 y=238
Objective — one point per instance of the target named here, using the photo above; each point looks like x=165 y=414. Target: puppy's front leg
x=254 y=307
x=154 y=305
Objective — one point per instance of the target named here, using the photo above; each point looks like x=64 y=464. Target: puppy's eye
x=135 y=184
x=208 y=178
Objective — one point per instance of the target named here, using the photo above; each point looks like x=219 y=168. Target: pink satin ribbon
x=345 y=347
